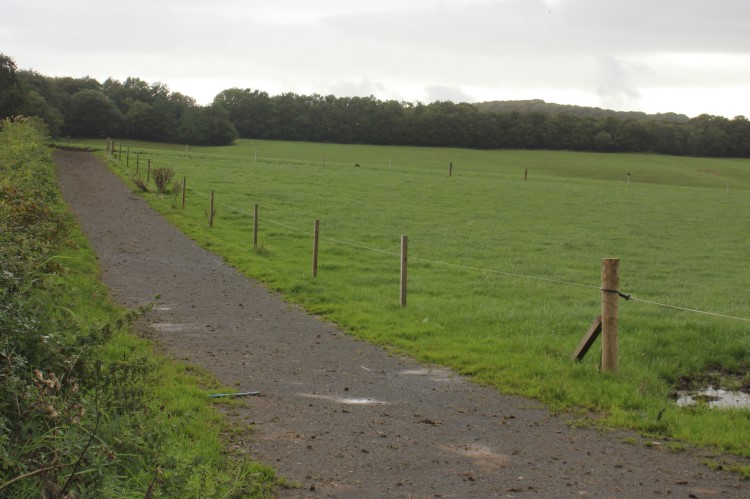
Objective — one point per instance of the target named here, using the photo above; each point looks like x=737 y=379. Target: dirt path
x=343 y=418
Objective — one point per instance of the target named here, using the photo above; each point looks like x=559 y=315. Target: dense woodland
x=135 y=109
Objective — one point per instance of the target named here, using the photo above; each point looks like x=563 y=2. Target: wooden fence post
x=184 y=185
x=450 y=170
x=255 y=227
x=127 y=158
x=404 y=244
x=211 y=212
x=610 y=297
x=137 y=162
x=526 y=175
x=316 y=237
x=120 y=155
x=148 y=175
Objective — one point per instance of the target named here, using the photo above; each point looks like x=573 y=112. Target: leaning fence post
x=404 y=244
x=610 y=296
x=255 y=227
x=184 y=184
x=211 y=211
x=316 y=237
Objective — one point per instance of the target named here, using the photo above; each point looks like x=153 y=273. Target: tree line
x=134 y=109
x=506 y=125
x=83 y=107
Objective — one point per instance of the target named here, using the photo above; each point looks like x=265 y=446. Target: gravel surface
x=342 y=418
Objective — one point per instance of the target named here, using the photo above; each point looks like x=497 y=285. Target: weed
x=162 y=177
x=176 y=193
x=677 y=447
x=261 y=250
x=141 y=184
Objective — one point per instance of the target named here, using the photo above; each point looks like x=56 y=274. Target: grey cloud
x=572 y=26
x=615 y=88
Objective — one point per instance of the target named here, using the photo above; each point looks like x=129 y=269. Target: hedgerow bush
x=79 y=409
x=49 y=420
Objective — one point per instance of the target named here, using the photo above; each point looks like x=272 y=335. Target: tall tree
x=12 y=94
x=207 y=126
x=92 y=114
x=37 y=105
x=250 y=111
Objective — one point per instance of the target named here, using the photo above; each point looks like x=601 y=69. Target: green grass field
x=679 y=227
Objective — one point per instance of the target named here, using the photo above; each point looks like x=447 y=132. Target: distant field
x=680 y=228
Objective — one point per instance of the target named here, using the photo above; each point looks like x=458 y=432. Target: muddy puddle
x=344 y=400
x=718 y=398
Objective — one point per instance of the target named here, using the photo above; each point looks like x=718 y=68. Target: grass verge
x=88 y=409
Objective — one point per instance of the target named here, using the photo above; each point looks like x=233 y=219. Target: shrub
x=162 y=177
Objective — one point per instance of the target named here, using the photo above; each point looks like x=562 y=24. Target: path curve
x=338 y=416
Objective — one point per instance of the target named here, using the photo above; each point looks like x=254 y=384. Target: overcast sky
x=685 y=56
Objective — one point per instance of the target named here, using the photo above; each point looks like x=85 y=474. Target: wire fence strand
x=685 y=309
x=510 y=274
x=355 y=245
x=198 y=193
x=279 y=224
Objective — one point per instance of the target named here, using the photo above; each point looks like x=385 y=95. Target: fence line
x=628 y=297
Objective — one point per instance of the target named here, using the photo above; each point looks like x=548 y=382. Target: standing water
x=713 y=397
